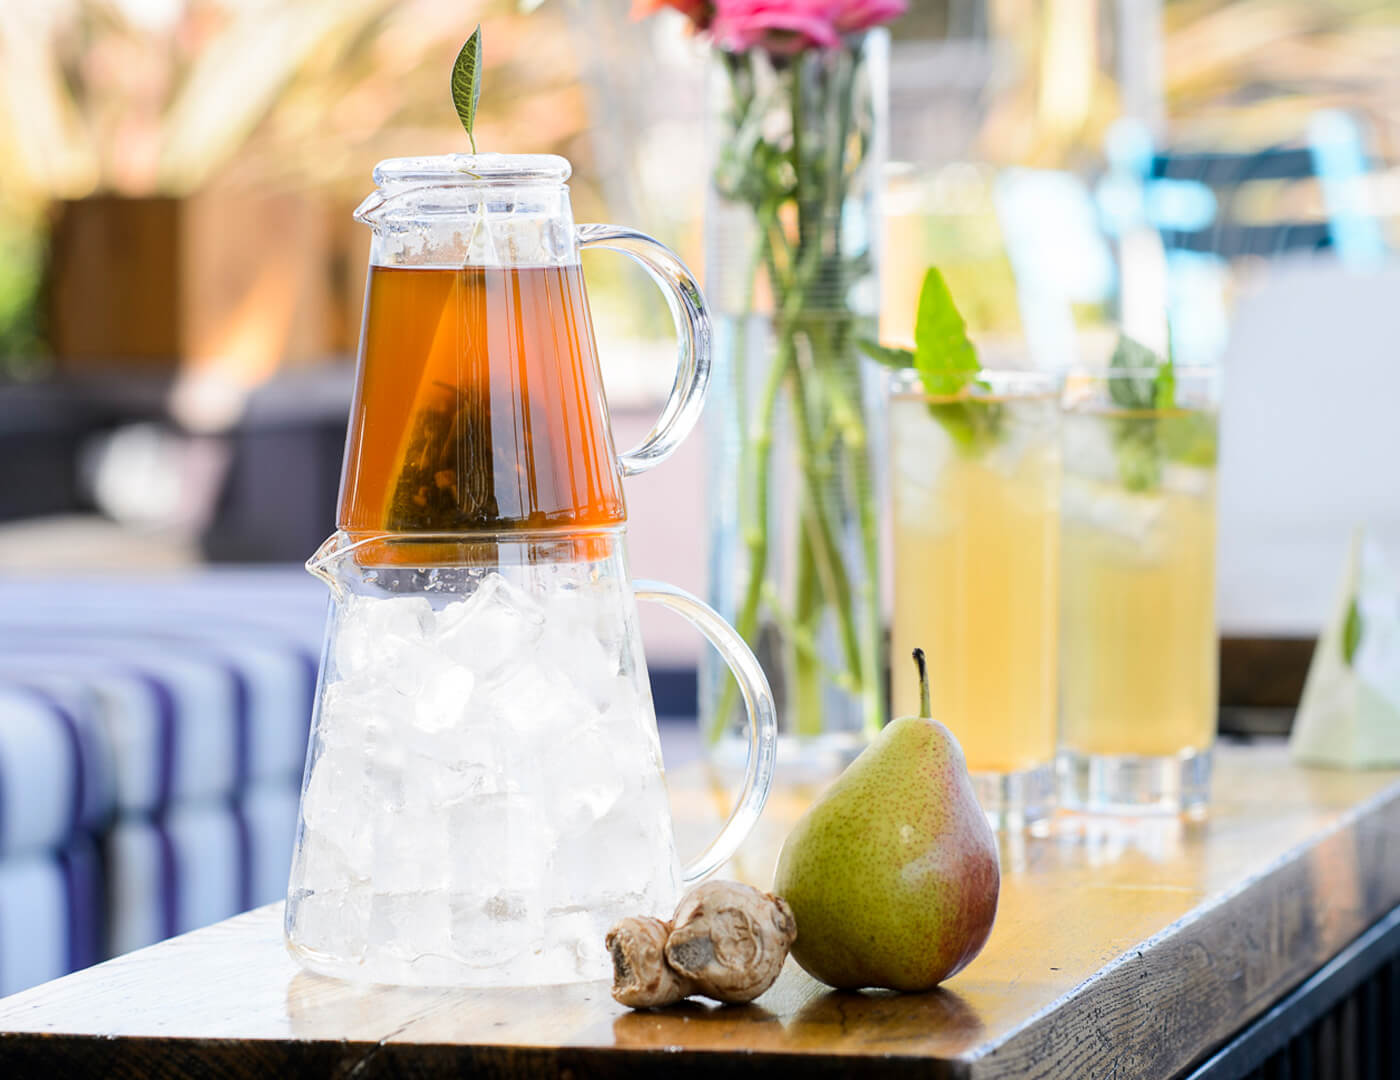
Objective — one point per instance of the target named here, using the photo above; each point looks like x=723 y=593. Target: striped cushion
x=185 y=718
x=54 y=770
x=51 y=914
x=197 y=864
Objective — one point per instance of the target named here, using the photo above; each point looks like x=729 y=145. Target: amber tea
x=479 y=405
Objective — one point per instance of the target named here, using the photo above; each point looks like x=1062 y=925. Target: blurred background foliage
x=171 y=97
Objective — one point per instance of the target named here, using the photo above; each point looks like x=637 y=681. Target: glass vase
x=796 y=424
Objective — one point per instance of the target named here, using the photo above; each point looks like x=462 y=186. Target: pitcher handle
x=692 y=320
x=763 y=722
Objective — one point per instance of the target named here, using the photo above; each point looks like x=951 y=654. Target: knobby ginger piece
x=641 y=977
x=730 y=940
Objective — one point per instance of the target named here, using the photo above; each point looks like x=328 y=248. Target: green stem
x=848 y=420
x=803 y=640
x=755 y=536
x=807 y=605
x=825 y=553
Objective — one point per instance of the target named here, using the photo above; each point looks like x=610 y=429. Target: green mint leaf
x=1351 y=632
x=945 y=358
x=1164 y=387
x=1135 y=391
x=466 y=83
x=1139 y=456
x=885 y=356
x=972 y=425
x=948 y=366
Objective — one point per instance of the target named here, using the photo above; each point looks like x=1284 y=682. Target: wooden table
x=1119 y=952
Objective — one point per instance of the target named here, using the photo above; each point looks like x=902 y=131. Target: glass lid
x=472 y=170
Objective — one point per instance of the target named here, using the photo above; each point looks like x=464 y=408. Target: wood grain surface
x=1120 y=950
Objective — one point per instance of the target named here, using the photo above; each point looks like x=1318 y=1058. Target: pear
x=892 y=875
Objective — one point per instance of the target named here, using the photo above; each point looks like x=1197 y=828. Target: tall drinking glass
x=1138 y=641
x=976 y=529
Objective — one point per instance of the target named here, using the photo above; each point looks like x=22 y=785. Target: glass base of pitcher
x=1133 y=785
x=1018 y=800
x=382 y=967
x=799 y=757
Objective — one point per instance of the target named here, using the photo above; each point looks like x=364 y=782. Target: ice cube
x=411 y=845
x=627 y=856
x=500 y=843
x=576 y=938
x=1187 y=480
x=587 y=780
x=331 y=921
x=365 y=623
x=407 y=666
x=411 y=925
x=1127 y=516
x=338 y=808
x=537 y=705
x=585 y=662
x=497 y=626
x=445 y=695
x=354 y=710
x=492 y=930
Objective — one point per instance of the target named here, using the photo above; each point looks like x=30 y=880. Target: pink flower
x=854 y=15
x=782 y=26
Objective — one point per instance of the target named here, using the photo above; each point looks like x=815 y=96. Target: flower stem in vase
x=792 y=149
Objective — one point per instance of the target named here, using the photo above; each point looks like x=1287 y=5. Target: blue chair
x=1191 y=202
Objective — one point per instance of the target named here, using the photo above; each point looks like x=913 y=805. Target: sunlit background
x=181 y=279
x=179 y=270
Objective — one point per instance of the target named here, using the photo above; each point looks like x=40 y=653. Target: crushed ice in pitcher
x=485 y=795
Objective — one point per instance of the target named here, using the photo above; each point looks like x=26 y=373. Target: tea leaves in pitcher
x=481 y=406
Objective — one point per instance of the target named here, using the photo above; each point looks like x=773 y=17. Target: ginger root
x=727 y=941
x=641 y=977
x=731 y=940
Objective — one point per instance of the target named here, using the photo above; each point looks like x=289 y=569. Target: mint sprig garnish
x=1145 y=384
x=946 y=360
x=466 y=83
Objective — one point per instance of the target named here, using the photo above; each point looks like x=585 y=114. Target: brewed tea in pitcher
x=484 y=794
x=479 y=404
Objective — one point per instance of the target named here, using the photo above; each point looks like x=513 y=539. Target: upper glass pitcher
x=484 y=792
x=479 y=406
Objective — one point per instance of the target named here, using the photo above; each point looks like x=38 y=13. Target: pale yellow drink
x=1138 y=675
x=976 y=534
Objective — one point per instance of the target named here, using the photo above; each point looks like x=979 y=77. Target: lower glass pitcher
x=484 y=793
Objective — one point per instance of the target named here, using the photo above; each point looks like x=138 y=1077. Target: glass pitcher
x=484 y=793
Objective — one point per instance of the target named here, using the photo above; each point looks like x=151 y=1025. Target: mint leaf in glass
x=1351 y=632
x=946 y=361
x=1145 y=384
x=1138 y=390
x=466 y=83
x=944 y=357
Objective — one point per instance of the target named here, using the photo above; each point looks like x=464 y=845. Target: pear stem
x=925 y=706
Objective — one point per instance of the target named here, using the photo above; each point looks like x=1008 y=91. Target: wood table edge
x=174 y=1057
x=1278 y=892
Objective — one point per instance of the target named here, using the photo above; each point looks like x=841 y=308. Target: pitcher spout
x=321 y=563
